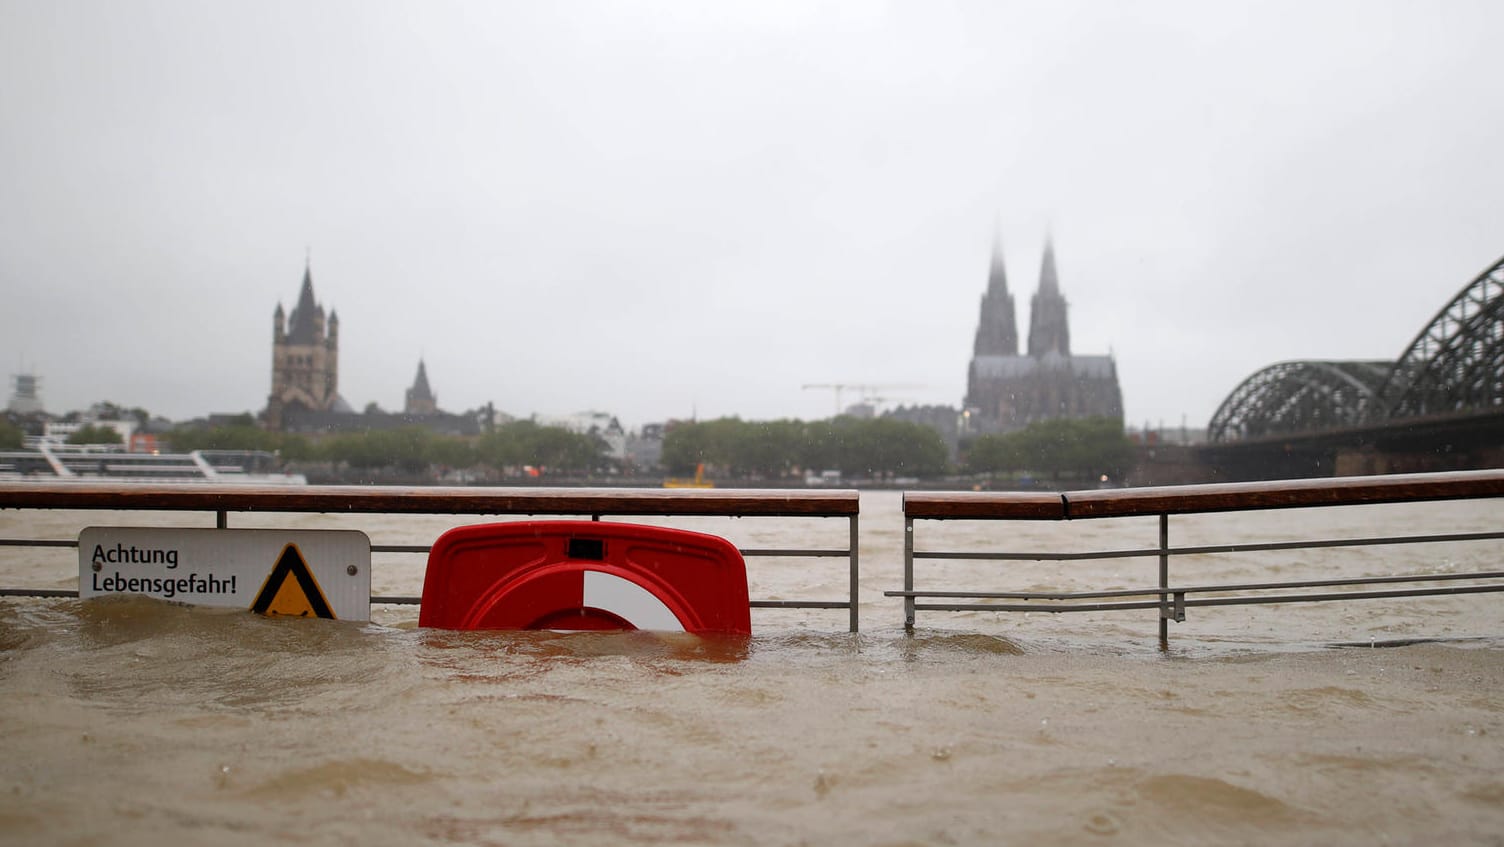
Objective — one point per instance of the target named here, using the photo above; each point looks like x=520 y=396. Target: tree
x=773 y=448
x=451 y=452
x=406 y=448
x=901 y=447
x=874 y=447
x=11 y=436
x=768 y=449
x=1078 y=447
x=297 y=448
x=106 y=410
x=91 y=434
x=519 y=443
x=686 y=445
x=240 y=434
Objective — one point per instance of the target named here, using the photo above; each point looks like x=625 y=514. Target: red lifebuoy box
x=585 y=575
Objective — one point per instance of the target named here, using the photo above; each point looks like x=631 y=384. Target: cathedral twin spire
x=996 y=332
x=1049 y=329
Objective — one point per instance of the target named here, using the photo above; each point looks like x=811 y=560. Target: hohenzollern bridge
x=1439 y=406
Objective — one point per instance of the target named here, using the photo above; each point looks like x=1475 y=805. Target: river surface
x=131 y=721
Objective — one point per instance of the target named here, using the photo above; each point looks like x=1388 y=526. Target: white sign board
x=307 y=572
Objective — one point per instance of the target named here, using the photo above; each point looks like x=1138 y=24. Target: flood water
x=130 y=721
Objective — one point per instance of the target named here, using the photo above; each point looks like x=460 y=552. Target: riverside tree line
x=884 y=447
x=728 y=448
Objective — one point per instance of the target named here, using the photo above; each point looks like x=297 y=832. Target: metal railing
x=222 y=500
x=1172 y=600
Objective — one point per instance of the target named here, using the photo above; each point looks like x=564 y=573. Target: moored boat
x=56 y=463
x=699 y=480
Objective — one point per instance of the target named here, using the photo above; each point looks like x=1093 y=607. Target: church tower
x=420 y=398
x=1049 y=330
x=1006 y=391
x=997 y=333
x=305 y=358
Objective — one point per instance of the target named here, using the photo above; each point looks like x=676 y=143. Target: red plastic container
x=585 y=575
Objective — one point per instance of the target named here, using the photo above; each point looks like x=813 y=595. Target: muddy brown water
x=130 y=721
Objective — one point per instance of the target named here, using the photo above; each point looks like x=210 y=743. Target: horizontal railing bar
x=1285 y=494
x=985 y=556
x=1211 y=548
x=793 y=553
x=409 y=600
x=761 y=502
x=1036 y=607
x=1211 y=601
x=424 y=548
x=1189 y=499
x=1201 y=589
x=799 y=604
x=771 y=552
x=1343 y=595
x=974 y=505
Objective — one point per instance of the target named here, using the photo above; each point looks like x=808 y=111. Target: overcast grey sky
x=656 y=209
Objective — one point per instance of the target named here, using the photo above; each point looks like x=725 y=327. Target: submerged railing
x=1171 y=601
x=596 y=503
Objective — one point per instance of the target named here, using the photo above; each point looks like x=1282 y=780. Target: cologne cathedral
x=1006 y=391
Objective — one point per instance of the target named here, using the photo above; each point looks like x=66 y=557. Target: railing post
x=854 y=579
x=908 y=571
x=1164 y=580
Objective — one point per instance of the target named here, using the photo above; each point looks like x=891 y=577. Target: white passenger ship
x=58 y=463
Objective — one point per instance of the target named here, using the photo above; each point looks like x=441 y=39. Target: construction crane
x=866 y=390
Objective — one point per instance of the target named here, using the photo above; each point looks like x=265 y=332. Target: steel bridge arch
x=1299 y=396
x=1455 y=364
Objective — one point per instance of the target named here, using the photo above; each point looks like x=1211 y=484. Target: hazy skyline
x=658 y=209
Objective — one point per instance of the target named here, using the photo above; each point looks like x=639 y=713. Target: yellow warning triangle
x=290 y=589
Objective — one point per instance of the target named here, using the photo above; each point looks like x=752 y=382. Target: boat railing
x=594 y=503
x=1172 y=600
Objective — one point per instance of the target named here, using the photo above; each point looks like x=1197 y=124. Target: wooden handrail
x=429 y=499
x=1190 y=499
x=942 y=505
x=1285 y=494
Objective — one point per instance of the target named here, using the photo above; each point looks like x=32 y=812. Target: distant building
x=25 y=398
x=305 y=381
x=942 y=419
x=305 y=361
x=1006 y=391
x=58 y=432
x=420 y=398
x=644 y=448
x=602 y=425
x=421 y=408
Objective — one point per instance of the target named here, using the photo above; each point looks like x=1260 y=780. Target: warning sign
x=301 y=573
x=290 y=589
